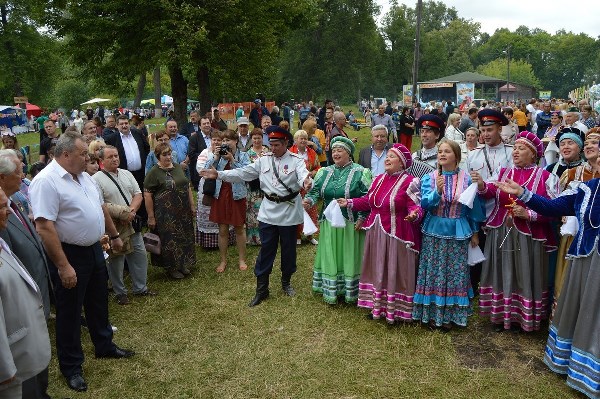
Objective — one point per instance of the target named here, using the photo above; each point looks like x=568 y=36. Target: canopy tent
x=31 y=109
x=148 y=101
x=166 y=99
x=12 y=116
x=190 y=101
x=96 y=100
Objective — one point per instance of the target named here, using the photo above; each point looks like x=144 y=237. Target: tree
x=520 y=71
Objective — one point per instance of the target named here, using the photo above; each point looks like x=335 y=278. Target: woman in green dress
x=339 y=254
x=168 y=195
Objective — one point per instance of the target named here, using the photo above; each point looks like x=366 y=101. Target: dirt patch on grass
x=479 y=347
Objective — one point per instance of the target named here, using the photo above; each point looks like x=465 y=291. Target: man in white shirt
x=282 y=174
x=71 y=219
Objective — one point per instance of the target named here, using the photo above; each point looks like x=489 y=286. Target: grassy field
x=198 y=339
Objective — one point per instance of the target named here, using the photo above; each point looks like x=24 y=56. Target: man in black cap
x=429 y=127
x=282 y=174
x=483 y=162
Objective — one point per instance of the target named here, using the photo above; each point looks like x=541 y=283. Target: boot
x=262 y=290
x=285 y=285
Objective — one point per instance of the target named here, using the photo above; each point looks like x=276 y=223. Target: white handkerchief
x=309 y=227
x=468 y=196
x=570 y=227
x=333 y=213
x=475 y=255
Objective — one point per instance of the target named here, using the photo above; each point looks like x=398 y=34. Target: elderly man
x=244 y=143
x=179 y=144
x=123 y=197
x=71 y=219
x=89 y=132
x=49 y=140
x=572 y=120
x=381 y=118
x=198 y=142
x=24 y=342
x=282 y=174
x=26 y=245
x=373 y=157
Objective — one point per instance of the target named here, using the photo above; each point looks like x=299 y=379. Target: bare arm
x=136 y=202
x=112 y=231
x=149 y=201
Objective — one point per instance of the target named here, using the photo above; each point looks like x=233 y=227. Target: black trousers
x=36 y=386
x=91 y=294
x=270 y=237
x=475 y=270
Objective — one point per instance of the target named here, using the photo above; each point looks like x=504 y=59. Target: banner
x=407 y=95
x=465 y=91
x=546 y=95
x=434 y=85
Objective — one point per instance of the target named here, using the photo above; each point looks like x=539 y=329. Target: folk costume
x=392 y=244
x=338 y=260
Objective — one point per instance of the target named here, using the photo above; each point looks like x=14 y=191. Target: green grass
x=198 y=339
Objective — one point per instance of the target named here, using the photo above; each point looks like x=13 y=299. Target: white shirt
x=75 y=208
x=207 y=140
x=132 y=152
x=292 y=171
x=499 y=156
x=377 y=162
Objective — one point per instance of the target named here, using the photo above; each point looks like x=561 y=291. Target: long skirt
x=175 y=229
x=514 y=280
x=562 y=267
x=573 y=346
x=337 y=263
x=387 y=280
x=443 y=293
x=253 y=201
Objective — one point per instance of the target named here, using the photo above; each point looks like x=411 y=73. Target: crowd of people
x=473 y=214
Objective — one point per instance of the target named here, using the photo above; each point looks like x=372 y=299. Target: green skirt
x=338 y=262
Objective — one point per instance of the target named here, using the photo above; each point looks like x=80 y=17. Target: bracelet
x=114 y=237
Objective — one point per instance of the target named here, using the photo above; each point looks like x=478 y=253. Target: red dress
x=224 y=210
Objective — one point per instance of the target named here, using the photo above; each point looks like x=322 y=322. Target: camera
x=224 y=149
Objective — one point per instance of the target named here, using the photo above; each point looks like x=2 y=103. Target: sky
x=549 y=15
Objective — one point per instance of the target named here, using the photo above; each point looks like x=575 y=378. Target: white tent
x=166 y=99
x=96 y=100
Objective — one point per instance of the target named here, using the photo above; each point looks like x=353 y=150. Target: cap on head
x=242 y=120
x=403 y=153
x=343 y=142
x=430 y=121
x=490 y=116
x=571 y=133
x=277 y=133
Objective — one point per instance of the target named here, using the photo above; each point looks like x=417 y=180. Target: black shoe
x=262 y=290
x=117 y=353
x=77 y=383
x=498 y=328
x=370 y=316
x=286 y=286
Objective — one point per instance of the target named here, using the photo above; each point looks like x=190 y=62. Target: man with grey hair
x=26 y=245
x=381 y=118
x=123 y=197
x=373 y=157
x=572 y=120
x=71 y=219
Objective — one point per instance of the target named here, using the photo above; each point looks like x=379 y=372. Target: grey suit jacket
x=24 y=341
x=364 y=156
x=30 y=251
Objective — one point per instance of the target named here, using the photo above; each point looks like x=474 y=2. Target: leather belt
x=278 y=199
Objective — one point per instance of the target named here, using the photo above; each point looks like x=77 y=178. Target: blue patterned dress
x=443 y=293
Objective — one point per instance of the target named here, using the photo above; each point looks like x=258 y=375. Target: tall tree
x=520 y=71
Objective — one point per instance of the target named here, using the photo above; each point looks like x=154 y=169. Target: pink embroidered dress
x=392 y=245
x=514 y=279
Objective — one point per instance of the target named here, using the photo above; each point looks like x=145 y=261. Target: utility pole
x=507 y=72
x=415 y=74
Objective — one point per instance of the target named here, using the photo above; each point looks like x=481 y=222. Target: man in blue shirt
x=543 y=120
x=179 y=144
x=303 y=114
x=373 y=157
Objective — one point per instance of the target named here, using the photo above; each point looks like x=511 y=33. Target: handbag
x=152 y=243
x=209 y=187
x=137 y=223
